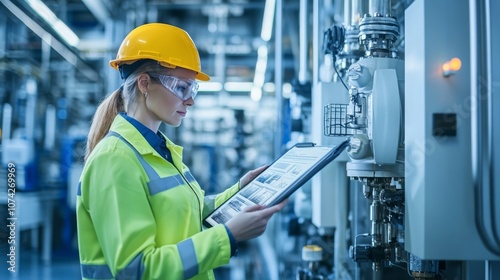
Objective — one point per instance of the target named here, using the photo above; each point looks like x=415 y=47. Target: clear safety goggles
x=182 y=88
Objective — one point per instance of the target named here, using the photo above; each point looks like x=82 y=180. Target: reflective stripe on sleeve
x=188 y=258
x=133 y=270
x=96 y=271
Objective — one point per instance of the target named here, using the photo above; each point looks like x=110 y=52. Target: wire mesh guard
x=336 y=120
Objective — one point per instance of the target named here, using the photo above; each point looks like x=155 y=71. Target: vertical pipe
x=278 y=76
x=114 y=31
x=220 y=71
x=303 y=24
x=382 y=7
x=50 y=128
x=31 y=101
x=493 y=8
x=489 y=150
x=354 y=222
x=340 y=246
x=316 y=43
x=3 y=35
x=6 y=122
x=347 y=12
x=481 y=124
x=487 y=270
x=356 y=12
x=271 y=256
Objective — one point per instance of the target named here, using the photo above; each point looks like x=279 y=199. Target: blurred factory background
x=414 y=84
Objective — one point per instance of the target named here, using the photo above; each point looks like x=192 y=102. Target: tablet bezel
x=319 y=163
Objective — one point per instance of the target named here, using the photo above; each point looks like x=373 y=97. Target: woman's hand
x=250 y=175
x=252 y=221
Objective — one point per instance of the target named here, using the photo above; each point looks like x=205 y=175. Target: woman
x=139 y=209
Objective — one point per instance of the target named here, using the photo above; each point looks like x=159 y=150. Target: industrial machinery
x=413 y=88
x=376 y=114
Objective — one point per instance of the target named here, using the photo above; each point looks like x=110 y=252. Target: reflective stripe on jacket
x=140 y=216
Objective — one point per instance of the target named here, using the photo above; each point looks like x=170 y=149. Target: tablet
x=280 y=180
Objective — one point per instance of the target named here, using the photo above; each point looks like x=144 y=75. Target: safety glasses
x=182 y=88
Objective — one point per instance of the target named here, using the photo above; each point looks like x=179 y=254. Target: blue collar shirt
x=156 y=140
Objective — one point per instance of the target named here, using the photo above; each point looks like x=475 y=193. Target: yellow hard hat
x=169 y=45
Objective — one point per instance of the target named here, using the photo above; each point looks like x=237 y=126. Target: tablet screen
x=283 y=177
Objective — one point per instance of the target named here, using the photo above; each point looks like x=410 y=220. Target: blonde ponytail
x=122 y=100
x=103 y=117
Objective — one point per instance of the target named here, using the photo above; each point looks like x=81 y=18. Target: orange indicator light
x=451 y=67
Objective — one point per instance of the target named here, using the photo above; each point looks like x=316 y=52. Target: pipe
x=340 y=248
x=31 y=101
x=6 y=122
x=347 y=12
x=382 y=7
x=303 y=42
x=481 y=124
x=316 y=45
x=3 y=35
x=50 y=128
x=278 y=77
x=356 y=12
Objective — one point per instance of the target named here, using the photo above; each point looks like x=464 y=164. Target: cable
x=408 y=269
x=477 y=14
x=396 y=265
x=333 y=42
x=480 y=221
x=336 y=71
x=494 y=225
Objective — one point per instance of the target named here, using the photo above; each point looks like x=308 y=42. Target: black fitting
x=333 y=40
x=367 y=253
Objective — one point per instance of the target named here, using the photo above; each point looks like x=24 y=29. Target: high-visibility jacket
x=140 y=216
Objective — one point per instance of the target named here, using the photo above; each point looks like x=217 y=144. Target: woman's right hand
x=252 y=221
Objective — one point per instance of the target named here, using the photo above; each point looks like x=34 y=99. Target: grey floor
x=64 y=266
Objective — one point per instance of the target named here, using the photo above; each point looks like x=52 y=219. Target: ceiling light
x=58 y=25
x=268 y=19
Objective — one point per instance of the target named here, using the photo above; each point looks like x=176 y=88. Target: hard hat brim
x=115 y=63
